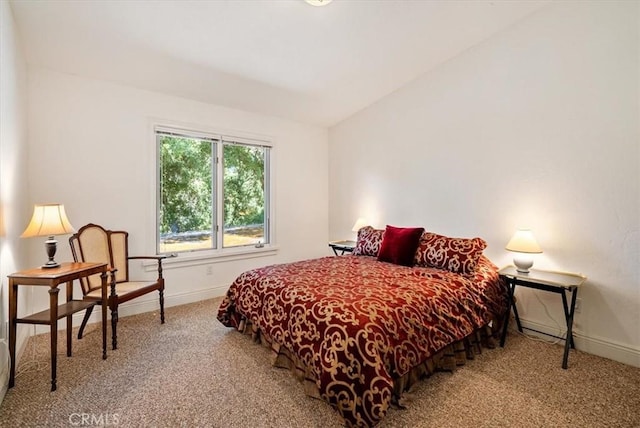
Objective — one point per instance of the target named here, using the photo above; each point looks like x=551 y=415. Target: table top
x=61 y=271
x=539 y=276
x=343 y=243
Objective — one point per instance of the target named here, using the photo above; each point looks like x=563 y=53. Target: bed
x=359 y=330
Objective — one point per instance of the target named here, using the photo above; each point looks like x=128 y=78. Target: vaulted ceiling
x=317 y=65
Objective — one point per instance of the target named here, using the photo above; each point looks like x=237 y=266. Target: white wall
x=92 y=148
x=537 y=126
x=13 y=175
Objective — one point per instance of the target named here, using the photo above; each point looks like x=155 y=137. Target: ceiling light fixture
x=318 y=2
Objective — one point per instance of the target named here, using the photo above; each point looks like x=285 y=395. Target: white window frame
x=218 y=254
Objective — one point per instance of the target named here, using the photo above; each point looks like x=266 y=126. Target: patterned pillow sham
x=458 y=255
x=369 y=242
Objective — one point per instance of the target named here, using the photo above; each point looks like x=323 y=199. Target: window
x=213 y=191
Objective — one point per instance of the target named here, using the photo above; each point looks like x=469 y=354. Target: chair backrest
x=93 y=243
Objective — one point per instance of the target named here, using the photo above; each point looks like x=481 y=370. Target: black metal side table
x=554 y=282
x=342 y=246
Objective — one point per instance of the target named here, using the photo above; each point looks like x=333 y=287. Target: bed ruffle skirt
x=446 y=359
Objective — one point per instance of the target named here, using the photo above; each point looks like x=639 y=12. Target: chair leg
x=87 y=314
x=113 y=305
x=114 y=324
x=161 y=306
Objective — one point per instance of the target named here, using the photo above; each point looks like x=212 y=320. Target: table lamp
x=524 y=244
x=48 y=220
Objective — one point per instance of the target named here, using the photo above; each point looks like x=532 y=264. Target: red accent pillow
x=369 y=241
x=458 y=255
x=399 y=245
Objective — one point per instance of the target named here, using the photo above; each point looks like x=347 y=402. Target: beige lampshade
x=523 y=241
x=48 y=220
x=359 y=224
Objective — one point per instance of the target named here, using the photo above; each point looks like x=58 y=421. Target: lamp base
x=50 y=264
x=523 y=262
x=51 y=245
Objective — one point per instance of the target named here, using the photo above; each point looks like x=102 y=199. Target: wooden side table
x=342 y=246
x=52 y=278
x=554 y=282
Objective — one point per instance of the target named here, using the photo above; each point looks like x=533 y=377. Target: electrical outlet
x=578 y=307
x=209 y=270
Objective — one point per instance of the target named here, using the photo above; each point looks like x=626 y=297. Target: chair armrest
x=161 y=257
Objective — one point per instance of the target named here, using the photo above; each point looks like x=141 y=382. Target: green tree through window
x=187 y=184
x=187 y=193
x=243 y=186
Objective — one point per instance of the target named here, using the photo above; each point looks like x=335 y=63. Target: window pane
x=244 y=178
x=186 y=205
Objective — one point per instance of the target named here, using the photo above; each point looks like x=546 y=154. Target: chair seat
x=123 y=288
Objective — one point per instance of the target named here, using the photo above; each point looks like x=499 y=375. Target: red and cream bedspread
x=358 y=323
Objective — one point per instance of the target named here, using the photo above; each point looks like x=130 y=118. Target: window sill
x=208 y=257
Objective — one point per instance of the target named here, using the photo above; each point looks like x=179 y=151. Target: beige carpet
x=194 y=372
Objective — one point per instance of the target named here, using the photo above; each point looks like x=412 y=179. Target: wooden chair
x=93 y=243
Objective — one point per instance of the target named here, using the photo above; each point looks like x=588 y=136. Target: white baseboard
x=592 y=345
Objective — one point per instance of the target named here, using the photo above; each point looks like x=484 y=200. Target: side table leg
x=69 y=317
x=568 y=342
x=508 y=314
x=13 y=315
x=53 y=324
x=515 y=312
